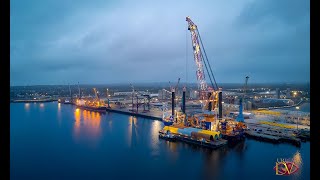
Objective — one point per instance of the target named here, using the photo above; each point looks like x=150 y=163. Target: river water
x=57 y=141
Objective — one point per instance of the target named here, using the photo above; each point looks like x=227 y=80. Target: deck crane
x=97 y=96
x=96 y=93
x=207 y=94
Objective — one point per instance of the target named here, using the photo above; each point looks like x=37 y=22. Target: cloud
x=142 y=41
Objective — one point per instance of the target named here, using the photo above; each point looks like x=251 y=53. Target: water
x=56 y=141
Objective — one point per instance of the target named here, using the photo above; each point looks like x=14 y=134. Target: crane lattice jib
x=197 y=55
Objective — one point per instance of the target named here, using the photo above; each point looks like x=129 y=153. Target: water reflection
x=297 y=160
x=77 y=122
x=132 y=131
x=156 y=126
x=173 y=153
x=213 y=161
x=59 y=113
x=27 y=107
x=87 y=125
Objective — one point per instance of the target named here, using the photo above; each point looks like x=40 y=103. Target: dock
x=147 y=114
x=264 y=137
x=31 y=100
x=273 y=137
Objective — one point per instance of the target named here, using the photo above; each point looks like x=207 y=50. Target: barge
x=194 y=136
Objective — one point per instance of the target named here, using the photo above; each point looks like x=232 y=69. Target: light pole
x=297 y=107
x=108 y=97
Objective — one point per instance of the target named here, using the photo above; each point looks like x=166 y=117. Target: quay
x=31 y=100
x=263 y=137
x=273 y=138
x=146 y=114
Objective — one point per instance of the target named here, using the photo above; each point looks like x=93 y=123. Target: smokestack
x=220 y=103
x=184 y=100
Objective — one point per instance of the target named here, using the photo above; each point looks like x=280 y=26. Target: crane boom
x=175 y=89
x=197 y=55
x=96 y=93
x=209 y=94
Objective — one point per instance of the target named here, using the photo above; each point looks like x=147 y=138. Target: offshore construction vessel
x=209 y=124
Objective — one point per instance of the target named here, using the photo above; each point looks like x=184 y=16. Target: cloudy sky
x=104 y=41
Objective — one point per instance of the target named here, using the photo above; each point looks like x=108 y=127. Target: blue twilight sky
x=105 y=41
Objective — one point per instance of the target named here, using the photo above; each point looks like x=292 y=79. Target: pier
x=147 y=114
x=274 y=138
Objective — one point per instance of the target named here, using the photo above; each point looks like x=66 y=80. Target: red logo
x=285 y=168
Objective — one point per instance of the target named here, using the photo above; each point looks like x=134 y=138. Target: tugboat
x=232 y=131
x=166 y=135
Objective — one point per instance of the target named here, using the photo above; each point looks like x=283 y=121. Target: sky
x=103 y=42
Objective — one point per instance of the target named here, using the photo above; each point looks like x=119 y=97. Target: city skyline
x=102 y=42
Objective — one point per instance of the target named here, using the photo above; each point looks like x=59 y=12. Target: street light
x=297 y=107
x=108 y=97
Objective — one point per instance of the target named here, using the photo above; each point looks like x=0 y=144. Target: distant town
x=257 y=95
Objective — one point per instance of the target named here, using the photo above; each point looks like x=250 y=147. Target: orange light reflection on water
x=88 y=124
x=77 y=121
x=297 y=159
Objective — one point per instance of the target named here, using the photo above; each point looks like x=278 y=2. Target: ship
x=232 y=130
x=67 y=101
x=91 y=104
x=101 y=109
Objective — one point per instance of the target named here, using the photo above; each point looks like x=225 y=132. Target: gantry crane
x=207 y=94
x=145 y=96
